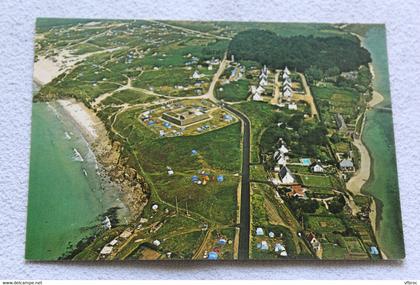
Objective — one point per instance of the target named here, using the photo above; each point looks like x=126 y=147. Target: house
x=279 y=155
x=196 y=75
x=283 y=149
x=287 y=81
x=287 y=84
x=316 y=245
x=281 y=160
x=257 y=97
x=297 y=191
x=286 y=175
x=346 y=165
x=260 y=89
x=280 y=152
x=317 y=168
x=263 y=82
x=263 y=76
x=286 y=71
x=259 y=232
x=292 y=106
x=106 y=250
x=287 y=93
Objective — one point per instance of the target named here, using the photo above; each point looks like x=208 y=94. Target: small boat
x=84 y=171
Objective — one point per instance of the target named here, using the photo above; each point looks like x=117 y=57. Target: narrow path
x=190 y=30
x=308 y=98
x=244 y=224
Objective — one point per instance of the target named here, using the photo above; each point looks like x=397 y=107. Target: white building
x=286 y=71
x=286 y=176
x=257 y=97
x=260 y=90
x=317 y=168
x=263 y=82
x=196 y=75
x=292 y=106
x=287 y=93
x=283 y=149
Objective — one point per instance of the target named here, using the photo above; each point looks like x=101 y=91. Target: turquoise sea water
x=378 y=136
x=67 y=199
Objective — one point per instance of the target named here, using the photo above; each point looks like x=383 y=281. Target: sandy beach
x=48 y=68
x=83 y=117
x=356 y=183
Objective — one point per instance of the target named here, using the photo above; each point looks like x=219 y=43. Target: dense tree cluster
x=330 y=55
x=300 y=206
x=337 y=204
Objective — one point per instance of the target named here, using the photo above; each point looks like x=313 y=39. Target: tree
x=332 y=71
x=335 y=138
x=327 y=54
x=314 y=74
x=336 y=205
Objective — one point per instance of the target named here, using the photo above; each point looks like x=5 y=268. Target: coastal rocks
x=135 y=191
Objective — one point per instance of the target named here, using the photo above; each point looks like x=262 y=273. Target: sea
x=68 y=198
x=378 y=136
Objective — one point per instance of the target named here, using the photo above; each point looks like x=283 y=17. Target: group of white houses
x=287 y=90
x=280 y=158
x=263 y=81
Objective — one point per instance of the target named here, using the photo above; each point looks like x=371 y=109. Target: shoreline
x=132 y=186
x=364 y=174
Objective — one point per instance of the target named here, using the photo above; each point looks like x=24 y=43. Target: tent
x=221 y=241
x=194 y=152
x=264 y=245
x=373 y=250
x=212 y=256
x=279 y=247
x=260 y=232
x=220 y=178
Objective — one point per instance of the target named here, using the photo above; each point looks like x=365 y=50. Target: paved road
x=245 y=195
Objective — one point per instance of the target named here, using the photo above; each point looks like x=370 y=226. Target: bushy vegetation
x=299 y=52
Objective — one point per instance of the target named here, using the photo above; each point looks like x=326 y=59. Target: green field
x=324 y=224
x=316 y=180
x=128 y=96
x=332 y=100
x=332 y=251
x=234 y=91
x=215 y=201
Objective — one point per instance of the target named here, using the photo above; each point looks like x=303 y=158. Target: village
x=179 y=103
